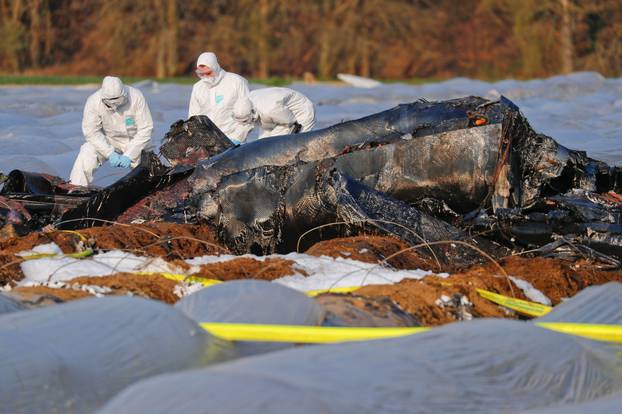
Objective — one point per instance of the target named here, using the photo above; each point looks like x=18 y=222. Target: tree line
x=387 y=39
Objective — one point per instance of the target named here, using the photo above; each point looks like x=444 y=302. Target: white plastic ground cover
x=358 y=81
x=47 y=248
x=8 y=305
x=596 y=304
x=482 y=366
x=531 y=292
x=40 y=126
x=323 y=272
x=252 y=301
x=71 y=358
x=59 y=268
x=328 y=272
x=611 y=404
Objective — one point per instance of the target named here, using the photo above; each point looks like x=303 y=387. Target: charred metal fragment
x=578 y=217
x=266 y=209
x=113 y=200
x=466 y=154
x=32 y=183
x=189 y=141
x=402 y=123
x=422 y=171
x=30 y=200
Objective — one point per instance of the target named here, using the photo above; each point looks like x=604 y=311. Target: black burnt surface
x=464 y=169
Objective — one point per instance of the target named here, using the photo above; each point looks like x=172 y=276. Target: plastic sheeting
x=596 y=304
x=252 y=301
x=607 y=405
x=8 y=305
x=479 y=366
x=74 y=357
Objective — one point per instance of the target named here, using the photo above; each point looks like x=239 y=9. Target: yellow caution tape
x=522 y=306
x=184 y=278
x=302 y=333
x=606 y=333
x=211 y=282
x=346 y=289
x=330 y=334
x=77 y=255
x=82 y=237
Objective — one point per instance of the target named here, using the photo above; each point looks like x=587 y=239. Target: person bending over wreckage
x=467 y=170
x=278 y=111
x=117 y=126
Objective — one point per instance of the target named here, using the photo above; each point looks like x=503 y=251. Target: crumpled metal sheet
x=189 y=141
x=470 y=161
x=288 y=201
x=402 y=122
x=113 y=200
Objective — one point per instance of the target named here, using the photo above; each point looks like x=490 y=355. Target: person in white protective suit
x=278 y=111
x=215 y=94
x=117 y=126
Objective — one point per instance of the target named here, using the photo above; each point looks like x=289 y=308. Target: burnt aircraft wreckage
x=466 y=169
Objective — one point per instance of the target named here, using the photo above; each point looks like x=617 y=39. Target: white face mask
x=114 y=103
x=210 y=80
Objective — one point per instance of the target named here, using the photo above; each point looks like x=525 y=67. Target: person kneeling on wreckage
x=278 y=111
x=117 y=126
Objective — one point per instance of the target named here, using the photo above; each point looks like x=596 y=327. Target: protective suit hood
x=210 y=60
x=113 y=92
x=244 y=111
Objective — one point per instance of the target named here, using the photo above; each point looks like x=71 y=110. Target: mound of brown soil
x=10 y=270
x=422 y=298
x=554 y=278
x=148 y=286
x=373 y=249
x=433 y=300
x=247 y=268
x=158 y=287
x=558 y=279
x=168 y=240
x=43 y=295
x=12 y=245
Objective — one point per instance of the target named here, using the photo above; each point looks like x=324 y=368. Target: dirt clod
x=555 y=278
x=372 y=249
x=247 y=268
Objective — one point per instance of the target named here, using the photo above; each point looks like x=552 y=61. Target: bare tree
x=566 y=47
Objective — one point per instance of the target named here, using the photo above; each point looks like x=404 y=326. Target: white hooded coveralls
x=279 y=109
x=216 y=96
x=126 y=129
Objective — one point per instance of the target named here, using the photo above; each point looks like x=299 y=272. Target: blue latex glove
x=114 y=159
x=124 y=161
x=118 y=160
x=235 y=141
